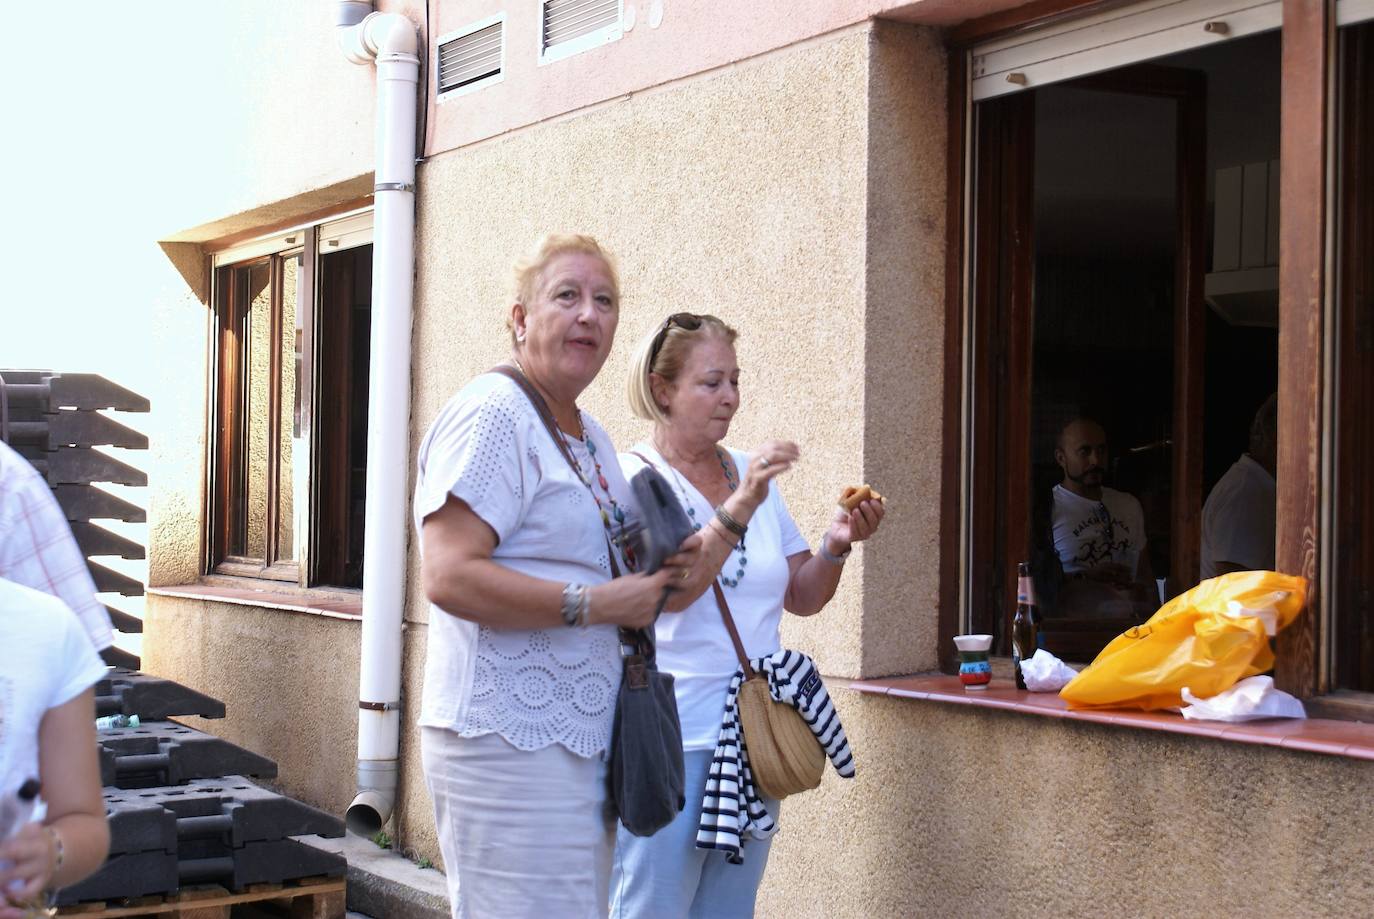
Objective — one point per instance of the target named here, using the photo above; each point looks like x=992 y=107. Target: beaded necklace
x=616 y=510
x=733 y=483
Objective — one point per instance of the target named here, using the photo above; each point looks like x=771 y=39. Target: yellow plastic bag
x=1206 y=639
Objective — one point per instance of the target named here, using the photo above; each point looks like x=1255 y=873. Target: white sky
x=102 y=109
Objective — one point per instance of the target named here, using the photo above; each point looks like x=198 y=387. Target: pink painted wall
x=692 y=37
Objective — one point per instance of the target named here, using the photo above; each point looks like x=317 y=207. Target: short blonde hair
x=669 y=359
x=526 y=272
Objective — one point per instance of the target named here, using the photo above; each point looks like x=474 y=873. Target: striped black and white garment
x=732 y=809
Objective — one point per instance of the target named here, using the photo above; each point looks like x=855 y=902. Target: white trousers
x=523 y=834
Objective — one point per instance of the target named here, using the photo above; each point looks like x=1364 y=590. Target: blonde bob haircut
x=669 y=359
x=529 y=268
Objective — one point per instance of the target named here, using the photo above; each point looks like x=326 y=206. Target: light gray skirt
x=523 y=833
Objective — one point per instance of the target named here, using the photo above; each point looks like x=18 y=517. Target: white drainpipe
x=390 y=40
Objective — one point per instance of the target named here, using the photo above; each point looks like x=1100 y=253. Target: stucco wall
x=976 y=812
x=289 y=683
x=904 y=326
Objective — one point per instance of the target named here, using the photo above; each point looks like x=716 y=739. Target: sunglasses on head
x=689 y=322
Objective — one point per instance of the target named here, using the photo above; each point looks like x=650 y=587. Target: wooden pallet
x=309 y=898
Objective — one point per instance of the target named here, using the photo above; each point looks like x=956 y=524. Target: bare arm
x=716 y=542
x=813 y=579
x=70 y=773
x=461 y=579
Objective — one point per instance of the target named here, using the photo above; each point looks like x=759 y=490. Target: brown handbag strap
x=734 y=632
x=541 y=408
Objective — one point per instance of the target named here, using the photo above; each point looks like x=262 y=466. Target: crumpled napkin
x=1044 y=672
x=1251 y=699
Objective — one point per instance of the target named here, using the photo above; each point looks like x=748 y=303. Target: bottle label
x=1025 y=593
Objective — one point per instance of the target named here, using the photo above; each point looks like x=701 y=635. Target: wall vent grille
x=566 y=21
x=470 y=59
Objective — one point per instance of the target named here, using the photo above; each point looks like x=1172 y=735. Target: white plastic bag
x=1251 y=699
x=1044 y=672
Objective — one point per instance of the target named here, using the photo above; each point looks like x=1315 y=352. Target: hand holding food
x=855 y=495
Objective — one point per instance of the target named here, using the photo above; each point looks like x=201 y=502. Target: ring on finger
x=684 y=574
x=763 y=462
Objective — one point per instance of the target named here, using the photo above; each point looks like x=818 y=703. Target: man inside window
x=1238 y=518
x=1098 y=533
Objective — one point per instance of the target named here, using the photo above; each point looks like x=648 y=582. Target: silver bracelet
x=574 y=604
x=831 y=557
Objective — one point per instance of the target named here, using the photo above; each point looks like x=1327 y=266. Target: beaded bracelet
x=59 y=853
x=731 y=524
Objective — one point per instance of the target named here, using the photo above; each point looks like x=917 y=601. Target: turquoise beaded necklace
x=733 y=483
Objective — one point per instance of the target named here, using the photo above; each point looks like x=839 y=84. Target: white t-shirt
x=534 y=687
x=48 y=661
x=1085 y=537
x=1238 y=519
x=694 y=644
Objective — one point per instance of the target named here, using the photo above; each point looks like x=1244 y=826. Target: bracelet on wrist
x=575 y=604
x=730 y=523
x=58 y=854
x=731 y=539
x=831 y=557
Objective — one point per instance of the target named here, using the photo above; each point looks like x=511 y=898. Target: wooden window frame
x=1306 y=315
x=228 y=420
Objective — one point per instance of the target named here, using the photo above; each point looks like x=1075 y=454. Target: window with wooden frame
x=291 y=334
x=1351 y=650
x=1056 y=265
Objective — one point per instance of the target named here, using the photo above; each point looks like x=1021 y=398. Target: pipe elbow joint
x=378 y=35
x=391 y=34
x=369 y=812
x=376 y=798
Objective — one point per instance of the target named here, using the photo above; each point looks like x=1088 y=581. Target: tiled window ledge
x=329 y=604
x=1314 y=735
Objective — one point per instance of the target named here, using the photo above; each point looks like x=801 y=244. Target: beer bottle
x=1025 y=624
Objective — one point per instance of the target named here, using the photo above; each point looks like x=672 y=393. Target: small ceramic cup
x=974 y=670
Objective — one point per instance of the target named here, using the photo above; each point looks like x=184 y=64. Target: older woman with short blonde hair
x=517 y=556
x=685 y=378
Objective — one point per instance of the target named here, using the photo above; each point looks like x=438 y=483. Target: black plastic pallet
x=145 y=874
x=224 y=830
x=163 y=753
x=128 y=692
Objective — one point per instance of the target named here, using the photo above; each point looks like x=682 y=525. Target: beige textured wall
x=957 y=811
x=903 y=345
x=289 y=682
x=414 y=809
x=742 y=194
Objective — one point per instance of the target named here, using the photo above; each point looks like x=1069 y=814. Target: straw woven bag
x=784 y=755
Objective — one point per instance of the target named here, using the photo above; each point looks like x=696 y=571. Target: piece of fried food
x=855 y=495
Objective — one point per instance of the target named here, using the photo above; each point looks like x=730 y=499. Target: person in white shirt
x=523 y=659
x=1098 y=532
x=1238 y=518
x=685 y=379
x=47 y=732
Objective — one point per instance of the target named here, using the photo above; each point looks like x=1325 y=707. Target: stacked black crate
x=182 y=805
